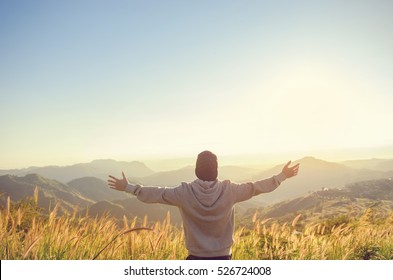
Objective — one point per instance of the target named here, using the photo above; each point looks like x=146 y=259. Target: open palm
x=290 y=171
x=118 y=184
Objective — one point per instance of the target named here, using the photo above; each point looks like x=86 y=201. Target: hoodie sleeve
x=170 y=196
x=242 y=192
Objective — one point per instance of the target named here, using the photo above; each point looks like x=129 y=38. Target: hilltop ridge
x=97 y=168
x=348 y=201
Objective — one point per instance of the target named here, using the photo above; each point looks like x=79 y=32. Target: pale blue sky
x=81 y=80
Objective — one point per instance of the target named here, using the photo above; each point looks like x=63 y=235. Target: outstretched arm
x=171 y=196
x=245 y=191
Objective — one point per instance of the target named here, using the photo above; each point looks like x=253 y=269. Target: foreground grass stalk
x=122 y=233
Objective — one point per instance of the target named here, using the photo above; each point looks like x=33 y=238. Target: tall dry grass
x=362 y=238
x=52 y=237
x=27 y=234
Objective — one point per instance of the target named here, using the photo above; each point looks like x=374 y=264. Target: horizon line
x=245 y=157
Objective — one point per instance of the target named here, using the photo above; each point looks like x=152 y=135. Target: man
x=206 y=204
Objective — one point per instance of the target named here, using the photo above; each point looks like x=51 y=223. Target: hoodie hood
x=206 y=192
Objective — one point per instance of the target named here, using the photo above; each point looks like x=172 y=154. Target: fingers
x=111 y=182
x=114 y=188
x=117 y=184
x=295 y=166
x=295 y=169
x=114 y=178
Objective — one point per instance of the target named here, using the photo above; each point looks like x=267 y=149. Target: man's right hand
x=118 y=184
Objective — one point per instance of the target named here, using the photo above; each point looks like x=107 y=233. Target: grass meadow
x=26 y=233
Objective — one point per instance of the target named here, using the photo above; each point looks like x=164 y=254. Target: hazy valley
x=83 y=186
x=330 y=211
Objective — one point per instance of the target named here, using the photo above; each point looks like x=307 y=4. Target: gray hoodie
x=207 y=209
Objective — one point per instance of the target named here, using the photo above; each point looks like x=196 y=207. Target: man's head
x=206 y=166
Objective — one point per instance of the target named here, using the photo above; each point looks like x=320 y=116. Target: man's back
x=206 y=204
x=208 y=217
x=207 y=210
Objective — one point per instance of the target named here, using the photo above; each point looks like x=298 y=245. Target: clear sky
x=82 y=80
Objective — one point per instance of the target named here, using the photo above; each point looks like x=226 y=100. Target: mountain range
x=97 y=168
x=336 y=204
x=50 y=192
x=187 y=174
x=371 y=164
x=315 y=174
x=92 y=193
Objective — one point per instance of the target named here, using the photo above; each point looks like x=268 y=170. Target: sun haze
x=129 y=80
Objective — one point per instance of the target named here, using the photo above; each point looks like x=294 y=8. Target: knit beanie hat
x=206 y=166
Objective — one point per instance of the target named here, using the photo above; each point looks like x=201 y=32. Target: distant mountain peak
x=310 y=159
x=313 y=161
x=116 y=161
x=34 y=177
x=102 y=160
x=85 y=179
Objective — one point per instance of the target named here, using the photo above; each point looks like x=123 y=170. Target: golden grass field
x=25 y=233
